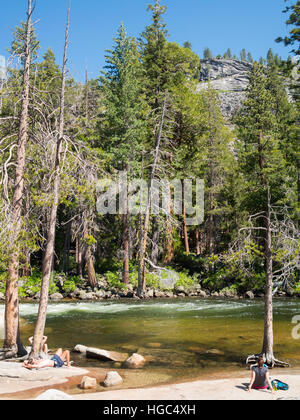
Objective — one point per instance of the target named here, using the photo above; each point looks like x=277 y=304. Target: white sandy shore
x=225 y=389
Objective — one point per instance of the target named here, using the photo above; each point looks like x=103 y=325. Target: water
x=175 y=335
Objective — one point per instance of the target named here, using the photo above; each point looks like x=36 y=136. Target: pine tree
x=243 y=55
x=207 y=54
x=270 y=57
x=294 y=21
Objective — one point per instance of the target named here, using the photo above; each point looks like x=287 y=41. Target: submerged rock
x=113 y=379
x=215 y=352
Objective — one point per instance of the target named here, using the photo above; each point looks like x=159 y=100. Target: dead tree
x=281 y=238
x=145 y=225
x=11 y=297
x=49 y=251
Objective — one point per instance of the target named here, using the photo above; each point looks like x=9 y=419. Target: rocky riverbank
x=103 y=291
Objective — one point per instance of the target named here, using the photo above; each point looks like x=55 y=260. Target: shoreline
x=219 y=386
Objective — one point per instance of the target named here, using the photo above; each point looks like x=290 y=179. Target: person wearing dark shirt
x=260 y=378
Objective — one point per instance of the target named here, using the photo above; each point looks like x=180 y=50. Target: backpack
x=279 y=386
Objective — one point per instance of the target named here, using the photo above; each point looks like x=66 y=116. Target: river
x=174 y=334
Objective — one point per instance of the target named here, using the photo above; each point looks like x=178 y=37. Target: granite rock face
x=230 y=78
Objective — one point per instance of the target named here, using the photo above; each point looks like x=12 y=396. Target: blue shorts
x=58 y=363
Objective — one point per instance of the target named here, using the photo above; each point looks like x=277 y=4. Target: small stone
x=136 y=361
x=88 y=383
x=112 y=379
x=215 y=352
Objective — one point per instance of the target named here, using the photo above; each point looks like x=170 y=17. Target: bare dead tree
x=11 y=297
x=281 y=249
x=49 y=252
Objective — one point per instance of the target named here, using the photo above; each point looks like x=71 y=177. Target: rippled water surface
x=175 y=335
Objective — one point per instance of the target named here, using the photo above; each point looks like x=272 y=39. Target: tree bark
x=11 y=297
x=268 y=321
x=49 y=252
x=198 y=249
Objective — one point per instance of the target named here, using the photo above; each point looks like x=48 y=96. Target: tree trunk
x=169 y=240
x=126 y=249
x=67 y=246
x=155 y=241
x=268 y=328
x=11 y=297
x=79 y=257
x=49 y=252
x=185 y=232
x=144 y=231
x=198 y=249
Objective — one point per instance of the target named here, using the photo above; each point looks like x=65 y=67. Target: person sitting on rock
x=44 y=346
x=57 y=361
x=260 y=378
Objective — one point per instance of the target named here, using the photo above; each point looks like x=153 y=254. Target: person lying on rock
x=260 y=378
x=57 y=361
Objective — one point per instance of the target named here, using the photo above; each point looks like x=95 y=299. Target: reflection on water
x=174 y=334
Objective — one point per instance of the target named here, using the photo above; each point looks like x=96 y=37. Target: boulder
x=159 y=294
x=88 y=383
x=53 y=394
x=249 y=295
x=100 y=294
x=104 y=355
x=80 y=349
x=179 y=289
x=150 y=294
x=112 y=379
x=56 y=296
x=2 y=296
x=136 y=361
x=202 y=293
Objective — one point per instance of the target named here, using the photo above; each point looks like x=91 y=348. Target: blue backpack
x=279 y=386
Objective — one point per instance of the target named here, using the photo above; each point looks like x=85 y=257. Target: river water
x=174 y=334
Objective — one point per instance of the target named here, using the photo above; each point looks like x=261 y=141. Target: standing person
x=260 y=378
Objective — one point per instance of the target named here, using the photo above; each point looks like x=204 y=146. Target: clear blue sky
x=218 y=24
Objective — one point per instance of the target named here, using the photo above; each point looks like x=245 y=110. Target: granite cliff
x=230 y=79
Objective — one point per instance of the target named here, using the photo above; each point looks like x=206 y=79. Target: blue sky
x=218 y=24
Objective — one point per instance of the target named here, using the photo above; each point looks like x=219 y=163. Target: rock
x=181 y=294
x=249 y=295
x=37 y=295
x=108 y=294
x=150 y=294
x=2 y=296
x=179 y=289
x=56 y=296
x=112 y=379
x=100 y=294
x=230 y=78
x=215 y=352
x=159 y=294
x=136 y=361
x=169 y=295
x=80 y=349
x=154 y=345
x=202 y=293
x=94 y=353
x=215 y=294
x=53 y=394
x=88 y=383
